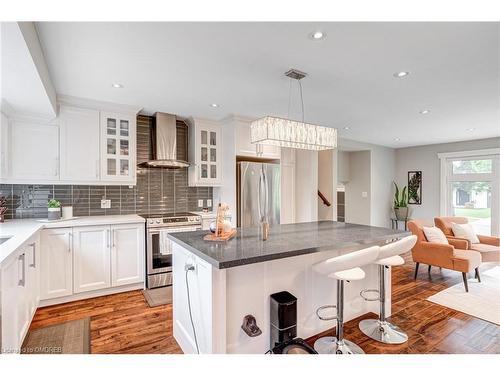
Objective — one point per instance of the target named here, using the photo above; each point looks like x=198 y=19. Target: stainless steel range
x=159 y=247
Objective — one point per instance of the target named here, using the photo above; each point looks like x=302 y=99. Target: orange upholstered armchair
x=447 y=256
x=488 y=246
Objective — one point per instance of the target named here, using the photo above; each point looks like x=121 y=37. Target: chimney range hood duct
x=164 y=143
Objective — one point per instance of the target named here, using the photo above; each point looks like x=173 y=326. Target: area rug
x=71 y=337
x=482 y=301
x=158 y=296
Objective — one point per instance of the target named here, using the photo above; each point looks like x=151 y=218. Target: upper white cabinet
x=34 y=151
x=118 y=150
x=244 y=146
x=85 y=144
x=79 y=132
x=205 y=153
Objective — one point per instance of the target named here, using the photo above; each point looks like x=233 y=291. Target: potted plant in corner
x=400 y=203
x=54 y=210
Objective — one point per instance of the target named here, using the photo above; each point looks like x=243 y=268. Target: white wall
x=306 y=186
x=357 y=207
x=382 y=173
x=424 y=158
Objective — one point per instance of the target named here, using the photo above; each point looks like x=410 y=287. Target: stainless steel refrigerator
x=258 y=193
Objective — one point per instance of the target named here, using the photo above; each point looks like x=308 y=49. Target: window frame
x=447 y=178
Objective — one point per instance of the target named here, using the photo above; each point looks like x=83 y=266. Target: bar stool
x=380 y=329
x=342 y=268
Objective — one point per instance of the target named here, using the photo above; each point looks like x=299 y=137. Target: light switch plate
x=105 y=203
x=200 y=203
x=209 y=203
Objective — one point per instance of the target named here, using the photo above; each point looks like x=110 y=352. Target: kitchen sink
x=3 y=239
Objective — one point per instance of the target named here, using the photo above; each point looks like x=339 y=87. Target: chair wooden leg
x=416 y=270
x=478 y=276
x=429 y=269
x=464 y=276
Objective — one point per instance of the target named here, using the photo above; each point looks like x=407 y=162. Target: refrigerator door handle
x=263 y=208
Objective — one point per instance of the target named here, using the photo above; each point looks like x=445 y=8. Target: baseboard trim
x=92 y=294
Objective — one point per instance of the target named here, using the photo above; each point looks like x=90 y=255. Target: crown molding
x=97 y=104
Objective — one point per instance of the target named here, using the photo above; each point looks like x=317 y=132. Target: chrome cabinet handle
x=97 y=168
x=33 y=264
x=109 y=238
x=70 y=240
x=56 y=169
x=22 y=281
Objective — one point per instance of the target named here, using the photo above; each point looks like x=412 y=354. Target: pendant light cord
x=301 y=100
x=289 y=97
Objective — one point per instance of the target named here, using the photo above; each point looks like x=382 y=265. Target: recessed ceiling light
x=346 y=128
x=401 y=74
x=396 y=139
x=214 y=105
x=317 y=35
x=424 y=111
x=117 y=85
x=471 y=129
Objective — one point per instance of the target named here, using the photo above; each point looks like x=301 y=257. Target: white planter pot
x=54 y=213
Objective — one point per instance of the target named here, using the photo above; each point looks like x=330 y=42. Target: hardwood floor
x=431 y=328
x=119 y=323
x=124 y=323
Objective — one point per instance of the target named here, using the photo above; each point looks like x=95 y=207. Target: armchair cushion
x=489 y=253
x=465 y=231
x=466 y=260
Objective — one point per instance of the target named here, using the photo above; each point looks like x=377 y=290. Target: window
x=470 y=188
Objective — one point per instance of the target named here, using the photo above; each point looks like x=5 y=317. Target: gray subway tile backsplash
x=157 y=191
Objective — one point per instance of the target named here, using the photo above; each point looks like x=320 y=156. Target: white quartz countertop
x=20 y=230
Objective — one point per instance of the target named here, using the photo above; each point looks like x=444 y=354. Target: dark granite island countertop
x=284 y=241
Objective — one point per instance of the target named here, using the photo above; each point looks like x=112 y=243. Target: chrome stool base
x=383 y=331
x=330 y=345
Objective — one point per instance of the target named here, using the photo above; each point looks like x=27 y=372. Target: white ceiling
x=21 y=85
x=182 y=68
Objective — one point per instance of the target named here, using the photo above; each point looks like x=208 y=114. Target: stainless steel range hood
x=164 y=143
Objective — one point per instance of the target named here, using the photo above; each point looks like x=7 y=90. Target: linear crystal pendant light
x=282 y=132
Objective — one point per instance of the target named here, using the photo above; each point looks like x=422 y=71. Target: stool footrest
x=376 y=291
x=325 y=307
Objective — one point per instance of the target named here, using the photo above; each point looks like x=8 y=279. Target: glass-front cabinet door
x=117 y=147
x=208 y=153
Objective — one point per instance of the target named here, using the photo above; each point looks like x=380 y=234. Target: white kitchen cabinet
x=19 y=294
x=118 y=147
x=244 y=146
x=34 y=151
x=127 y=254
x=79 y=146
x=56 y=263
x=12 y=299
x=91 y=258
x=205 y=153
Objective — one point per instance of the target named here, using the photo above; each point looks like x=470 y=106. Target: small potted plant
x=400 y=203
x=54 y=210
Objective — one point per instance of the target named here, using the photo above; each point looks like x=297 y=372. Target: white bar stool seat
x=380 y=329
x=342 y=268
x=396 y=260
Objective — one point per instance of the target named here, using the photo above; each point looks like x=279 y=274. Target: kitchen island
x=229 y=280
